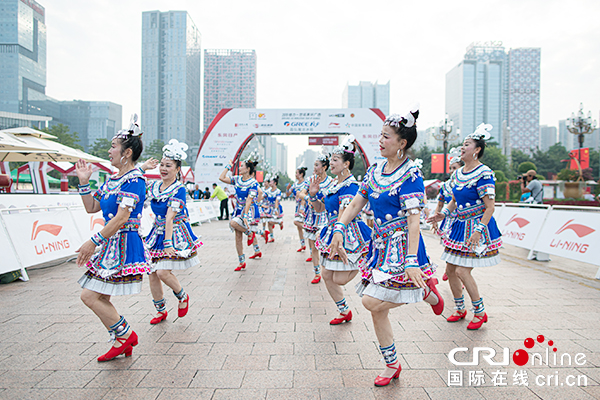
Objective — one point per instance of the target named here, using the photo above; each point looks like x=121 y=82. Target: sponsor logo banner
x=520 y=226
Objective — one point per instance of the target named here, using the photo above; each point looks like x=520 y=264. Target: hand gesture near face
x=313 y=187
x=150 y=163
x=84 y=171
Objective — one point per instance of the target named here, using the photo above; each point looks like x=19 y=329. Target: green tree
x=100 y=148
x=595 y=163
x=70 y=139
x=424 y=153
x=526 y=166
x=518 y=157
x=500 y=177
x=154 y=149
x=493 y=158
x=549 y=162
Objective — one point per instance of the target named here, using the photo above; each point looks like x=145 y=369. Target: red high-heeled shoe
x=460 y=315
x=266 y=236
x=181 y=312
x=445 y=277
x=161 y=318
x=301 y=249
x=439 y=307
x=125 y=348
x=281 y=226
x=271 y=240
x=316 y=279
x=382 y=381
x=476 y=325
x=240 y=267
x=251 y=238
x=309 y=259
x=345 y=318
x=256 y=255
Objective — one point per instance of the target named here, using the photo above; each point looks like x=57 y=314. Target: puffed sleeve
x=363 y=189
x=98 y=193
x=412 y=192
x=253 y=191
x=132 y=192
x=486 y=185
x=177 y=201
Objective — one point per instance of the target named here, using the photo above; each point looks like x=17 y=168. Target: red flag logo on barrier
x=95 y=221
x=517 y=220
x=580 y=230
x=50 y=228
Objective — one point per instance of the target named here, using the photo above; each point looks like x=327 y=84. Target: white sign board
x=9 y=259
x=571 y=234
x=233 y=128
x=520 y=225
x=42 y=236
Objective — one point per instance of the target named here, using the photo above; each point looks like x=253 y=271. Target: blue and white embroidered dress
x=468 y=190
x=300 y=211
x=314 y=221
x=117 y=267
x=393 y=197
x=356 y=242
x=271 y=197
x=445 y=196
x=185 y=242
x=243 y=190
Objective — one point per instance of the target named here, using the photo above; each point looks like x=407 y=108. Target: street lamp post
x=445 y=135
x=580 y=125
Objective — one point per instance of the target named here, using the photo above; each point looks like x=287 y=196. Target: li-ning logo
x=95 y=221
x=517 y=220
x=50 y=228
x=519 y=357
x=580 y=230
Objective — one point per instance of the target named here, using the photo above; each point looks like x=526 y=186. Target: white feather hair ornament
x=253 y=157
x=133 y=129
x=482 y=132
x=175 y=150
x=418 y=163
x=408 y=120
x=346 y=145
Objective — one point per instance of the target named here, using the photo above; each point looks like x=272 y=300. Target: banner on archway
x=233 y=128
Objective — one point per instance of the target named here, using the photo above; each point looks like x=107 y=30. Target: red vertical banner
x=584 y=160
x=259 y=176
x=437 y=163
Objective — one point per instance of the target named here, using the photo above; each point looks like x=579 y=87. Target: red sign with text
x=323 y=140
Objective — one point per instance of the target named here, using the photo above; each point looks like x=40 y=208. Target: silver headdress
x=323 y=157
x=482 y=132
x=455 y=154
x=346 y=146
x=175 y=150
x=133 y=129
x=407 y=120
x=253 y=157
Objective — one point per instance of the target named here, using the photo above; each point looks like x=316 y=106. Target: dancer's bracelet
x=228 y=167
x=85 y=189
x=479 y=227
x=340 y=227
x=446 y=211
x=411 y=261
x=314 y=198
x=167 y=243
x=98 y=239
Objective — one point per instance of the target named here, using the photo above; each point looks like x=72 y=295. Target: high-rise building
x=524 y=98
x=22 y=56
x=367 y=95
x=475 y=89
x=548 y=137
x=171 y=70
x=564 y=136
x=307 y=159
x=491 y=85
x=229 y=81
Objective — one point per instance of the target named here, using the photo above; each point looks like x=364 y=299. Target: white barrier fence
x=43 y=228
x=564 y=231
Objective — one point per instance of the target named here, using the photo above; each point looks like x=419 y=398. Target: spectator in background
x=206 y=193
x=530 y=184
x=220 y=194
x=196 y=193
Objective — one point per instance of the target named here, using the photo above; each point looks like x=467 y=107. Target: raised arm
x=84 y=171
x=223 y=177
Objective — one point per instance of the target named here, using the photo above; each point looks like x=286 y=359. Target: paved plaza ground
x=264 y=333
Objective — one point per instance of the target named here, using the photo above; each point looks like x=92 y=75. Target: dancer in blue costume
x=334 y=201
x=246 y=216
x=314 y=221
x=300 y=211
x=118 y=266
x=397 y=269
x=273 y=197
x=445 y=196
x=474 y=238
x=171 y=242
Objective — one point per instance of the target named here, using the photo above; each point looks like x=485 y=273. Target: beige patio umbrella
x=25 y=130
x=11 y=142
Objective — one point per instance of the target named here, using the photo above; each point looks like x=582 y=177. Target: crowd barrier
x=43 y=228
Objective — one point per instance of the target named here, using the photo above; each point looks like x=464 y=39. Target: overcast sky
x=308 y=50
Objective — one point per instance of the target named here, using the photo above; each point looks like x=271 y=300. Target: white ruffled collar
x=337 y=186
x=461 y=179
x=170 y=191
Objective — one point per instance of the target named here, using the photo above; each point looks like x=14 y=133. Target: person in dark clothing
x=206 y=194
